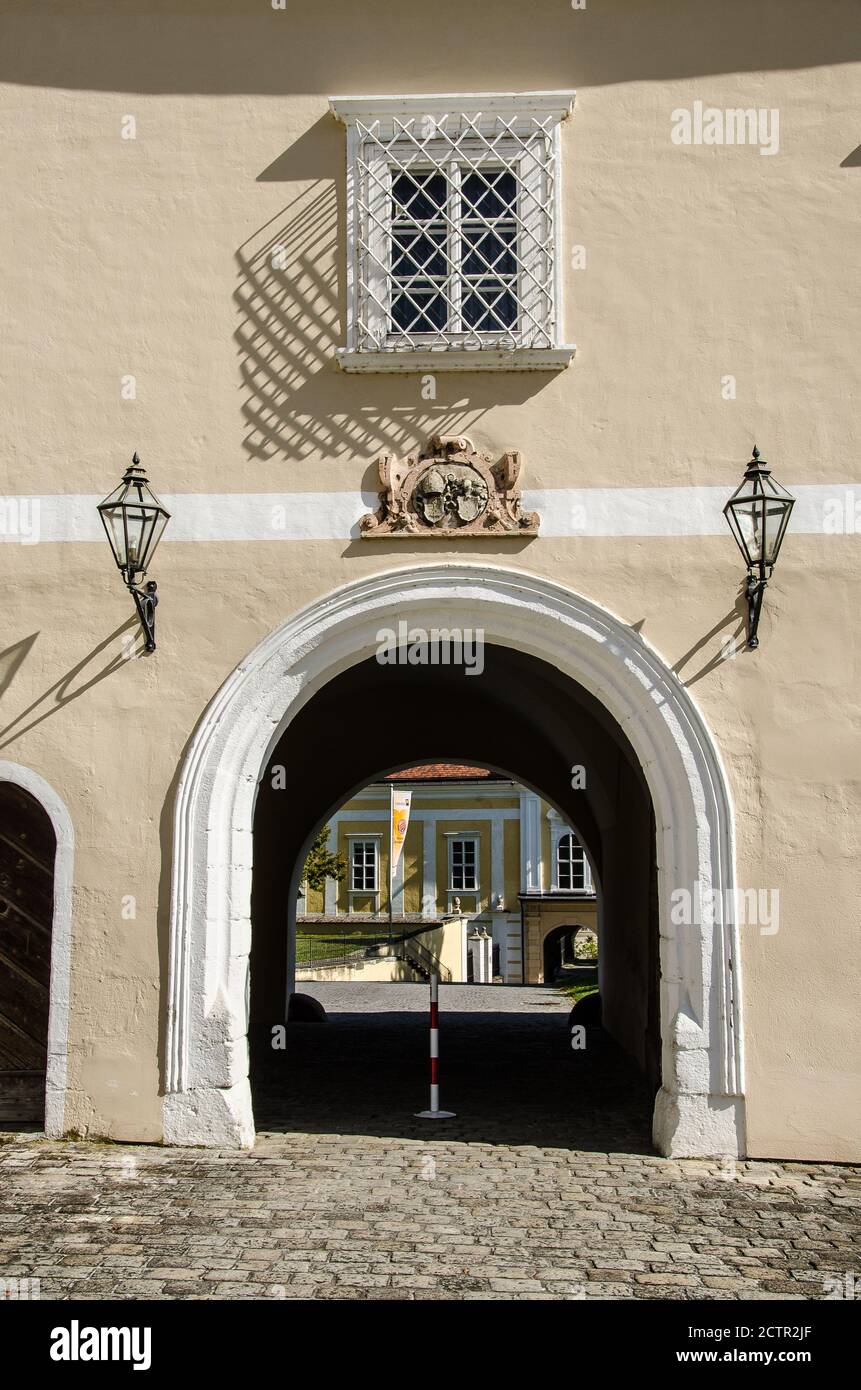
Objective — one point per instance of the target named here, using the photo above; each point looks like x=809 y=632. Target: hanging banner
x=400 y=820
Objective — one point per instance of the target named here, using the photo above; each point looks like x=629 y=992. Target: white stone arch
x=700 y=1108
x=61 y=940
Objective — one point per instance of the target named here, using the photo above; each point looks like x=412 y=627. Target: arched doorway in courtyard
x=569 y=948
x=564 y=686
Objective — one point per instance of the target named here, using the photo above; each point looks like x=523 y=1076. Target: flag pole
x=391 y=854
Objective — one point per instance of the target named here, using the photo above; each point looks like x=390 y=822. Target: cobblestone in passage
x=348 y=1196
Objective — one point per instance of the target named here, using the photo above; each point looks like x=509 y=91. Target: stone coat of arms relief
x=449 y=489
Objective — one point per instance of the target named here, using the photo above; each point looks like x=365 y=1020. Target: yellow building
x=480 y=849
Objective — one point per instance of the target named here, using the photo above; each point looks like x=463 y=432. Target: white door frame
x=700 y=1107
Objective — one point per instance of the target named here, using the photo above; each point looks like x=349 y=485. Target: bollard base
x=435 y=1114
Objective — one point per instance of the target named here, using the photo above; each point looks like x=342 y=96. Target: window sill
x=458 y=360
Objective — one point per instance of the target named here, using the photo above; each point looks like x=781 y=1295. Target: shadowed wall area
x=224 y=46
x=409 y=715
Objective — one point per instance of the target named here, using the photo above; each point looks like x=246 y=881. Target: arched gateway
x=700 y=1107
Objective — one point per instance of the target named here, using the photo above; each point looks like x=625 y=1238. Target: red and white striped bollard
x=434 y=1113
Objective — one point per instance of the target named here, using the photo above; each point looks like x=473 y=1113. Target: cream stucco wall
x=147 y=257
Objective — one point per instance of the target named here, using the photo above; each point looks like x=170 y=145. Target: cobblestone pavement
x=542 y=1187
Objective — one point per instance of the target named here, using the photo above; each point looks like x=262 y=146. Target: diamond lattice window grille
x=453 y=225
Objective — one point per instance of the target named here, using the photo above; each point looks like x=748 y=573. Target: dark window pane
x=496 y=307
x=425 y=311
x=418 y=196
x=415 y=252
x=489 y=252
x=491 y=193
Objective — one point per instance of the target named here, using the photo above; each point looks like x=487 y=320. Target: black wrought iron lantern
x=134 y=519
x=758 y=514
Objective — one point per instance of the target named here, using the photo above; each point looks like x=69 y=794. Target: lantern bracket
x=145 y=603
x=754 y=593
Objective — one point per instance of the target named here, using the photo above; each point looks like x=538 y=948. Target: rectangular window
x=463 y=865
x=420 y=255
x=489 y=250
x=454 y=250
x=452 y=214
x=363 y=866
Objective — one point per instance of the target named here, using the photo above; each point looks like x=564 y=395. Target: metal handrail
x=426 y=960
x=350 y=950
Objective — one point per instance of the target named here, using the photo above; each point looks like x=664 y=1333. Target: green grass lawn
x=321 y=947
x=578 y=991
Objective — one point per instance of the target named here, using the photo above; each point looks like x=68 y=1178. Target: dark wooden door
x=27 y=849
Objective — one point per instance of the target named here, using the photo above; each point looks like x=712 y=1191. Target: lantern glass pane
x=156 y=522
x=748 y=519
x=774 y=513
x=742 y=514
x=113 y=523
x=137 y=526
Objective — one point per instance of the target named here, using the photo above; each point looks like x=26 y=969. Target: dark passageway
x=492 y=723
x=507 y=1069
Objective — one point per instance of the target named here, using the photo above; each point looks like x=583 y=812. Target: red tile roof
x=443 y=772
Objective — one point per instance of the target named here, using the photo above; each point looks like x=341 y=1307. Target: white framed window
x=453 y=230
x=364 y=864
x=463 y=864
x=572 y=872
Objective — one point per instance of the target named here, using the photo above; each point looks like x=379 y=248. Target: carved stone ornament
x=449 y=489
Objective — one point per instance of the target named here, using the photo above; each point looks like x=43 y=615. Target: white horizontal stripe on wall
x=320 y=516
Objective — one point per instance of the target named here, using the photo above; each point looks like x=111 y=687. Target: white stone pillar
x=481 y=948
x=429 y=867
x=497 y=860
x=530 y=843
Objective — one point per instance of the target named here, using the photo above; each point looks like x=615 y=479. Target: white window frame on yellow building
x=366 y=837
x=451 y=892
x=558 y=833
x=587 y=879
x=454 y=134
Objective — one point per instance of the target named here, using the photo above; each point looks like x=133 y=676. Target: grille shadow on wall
x=291 y=301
